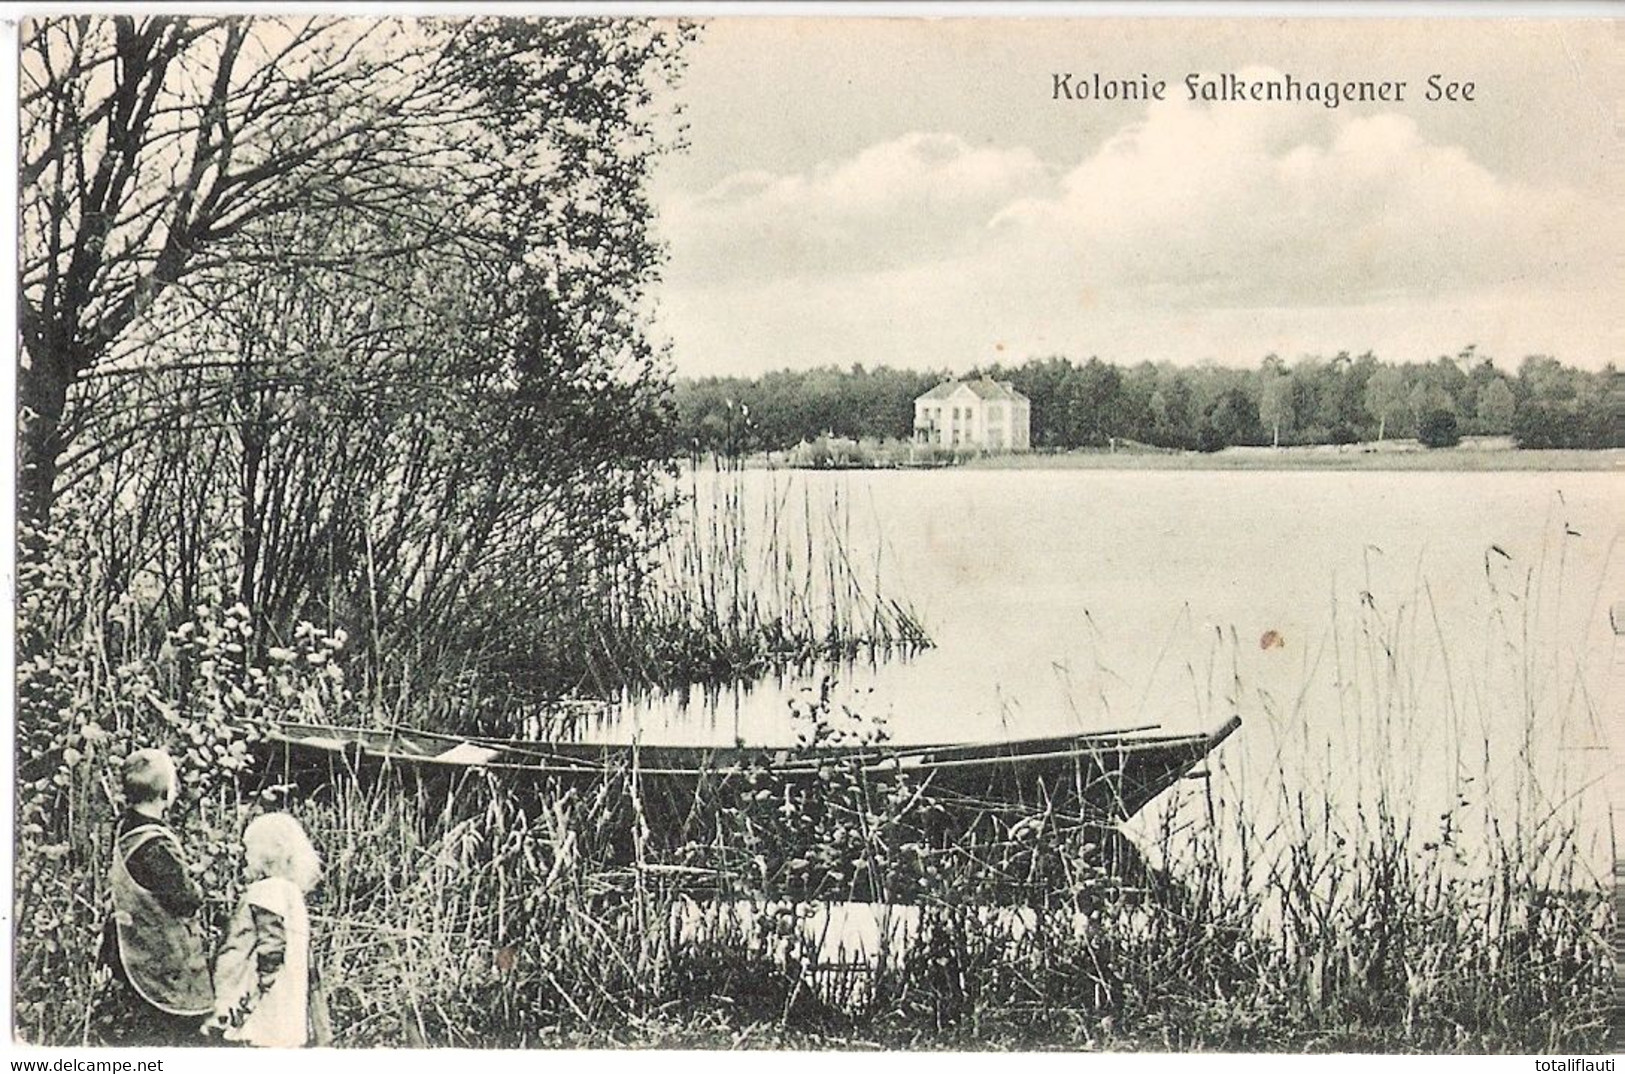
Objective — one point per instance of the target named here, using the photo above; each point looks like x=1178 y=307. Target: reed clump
x=750 y=584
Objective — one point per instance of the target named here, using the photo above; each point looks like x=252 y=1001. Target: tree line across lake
x=1314 y=400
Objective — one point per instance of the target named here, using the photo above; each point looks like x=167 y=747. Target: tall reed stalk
x=757 y=579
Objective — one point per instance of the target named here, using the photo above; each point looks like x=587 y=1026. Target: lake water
x=1366 y=626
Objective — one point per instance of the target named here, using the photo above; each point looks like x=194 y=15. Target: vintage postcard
x=1091 y=532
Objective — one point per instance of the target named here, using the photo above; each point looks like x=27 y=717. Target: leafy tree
x=1543 y=379
x=1544 y=424
x=1496 y=407
x=1174 y=421
x=1386 y=394
x=1275 y=403
x=147 y=143
x=1043 y=382
x=1563 y=408
x=1234 y=419
x=1338 y=396
x=1425 y=398
x=1093 y=403
x=1355 y=414
x=408 y=290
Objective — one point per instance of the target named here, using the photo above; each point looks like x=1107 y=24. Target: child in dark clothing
x=153 y=942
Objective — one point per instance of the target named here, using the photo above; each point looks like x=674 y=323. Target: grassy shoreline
x=1462 y=459
x=1354 y=457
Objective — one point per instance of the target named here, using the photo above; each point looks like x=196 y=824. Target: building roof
x=982 y=387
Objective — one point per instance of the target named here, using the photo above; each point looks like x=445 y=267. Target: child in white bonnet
x=262 y=975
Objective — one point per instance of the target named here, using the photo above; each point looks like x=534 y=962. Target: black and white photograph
x=867 y=528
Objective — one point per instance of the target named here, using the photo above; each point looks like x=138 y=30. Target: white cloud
x=1274 y=204
x=913 y=199
x=1199 y=219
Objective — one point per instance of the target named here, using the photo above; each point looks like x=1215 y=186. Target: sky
x=909 y=192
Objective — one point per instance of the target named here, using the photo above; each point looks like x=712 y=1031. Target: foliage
x=1438 y=429
x=149 y=143
x=1562 y=408
x=1205 y=407
x=101 y=684
x=1234 y=420
x=732 y=415
x=408 y=392
x=1496 y=407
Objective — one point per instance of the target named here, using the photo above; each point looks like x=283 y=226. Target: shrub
x=1438 y=429
x=1210 y=439
x=1552 y=424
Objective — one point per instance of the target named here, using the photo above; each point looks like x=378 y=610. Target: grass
x=484 y=921
x=1464 y=458
x=472 y=912
x=1474 y=454
x=1349 y=910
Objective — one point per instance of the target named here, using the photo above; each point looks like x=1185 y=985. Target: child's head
x=149 y=777
x=275 y=845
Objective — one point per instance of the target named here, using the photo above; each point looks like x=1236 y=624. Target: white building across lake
x=983 y=415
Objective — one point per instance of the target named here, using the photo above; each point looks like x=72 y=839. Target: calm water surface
x=1073 y=600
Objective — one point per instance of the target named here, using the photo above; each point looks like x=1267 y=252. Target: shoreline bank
x=1319 y=458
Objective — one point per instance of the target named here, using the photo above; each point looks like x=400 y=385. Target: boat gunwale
x=738 y=760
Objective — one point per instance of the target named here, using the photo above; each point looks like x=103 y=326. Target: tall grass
x=470 y=911
x=735 y=586
x=1325 y=924
x=1358 y=907
x=1363 y=904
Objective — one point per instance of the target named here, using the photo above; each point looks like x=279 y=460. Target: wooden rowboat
x=1101 y=777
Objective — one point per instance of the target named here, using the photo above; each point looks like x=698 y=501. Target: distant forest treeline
x=1314 y=400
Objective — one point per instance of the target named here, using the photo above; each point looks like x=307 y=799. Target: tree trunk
x=42 y=398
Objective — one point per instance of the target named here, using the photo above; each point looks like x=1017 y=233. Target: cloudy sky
x=909 y=192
